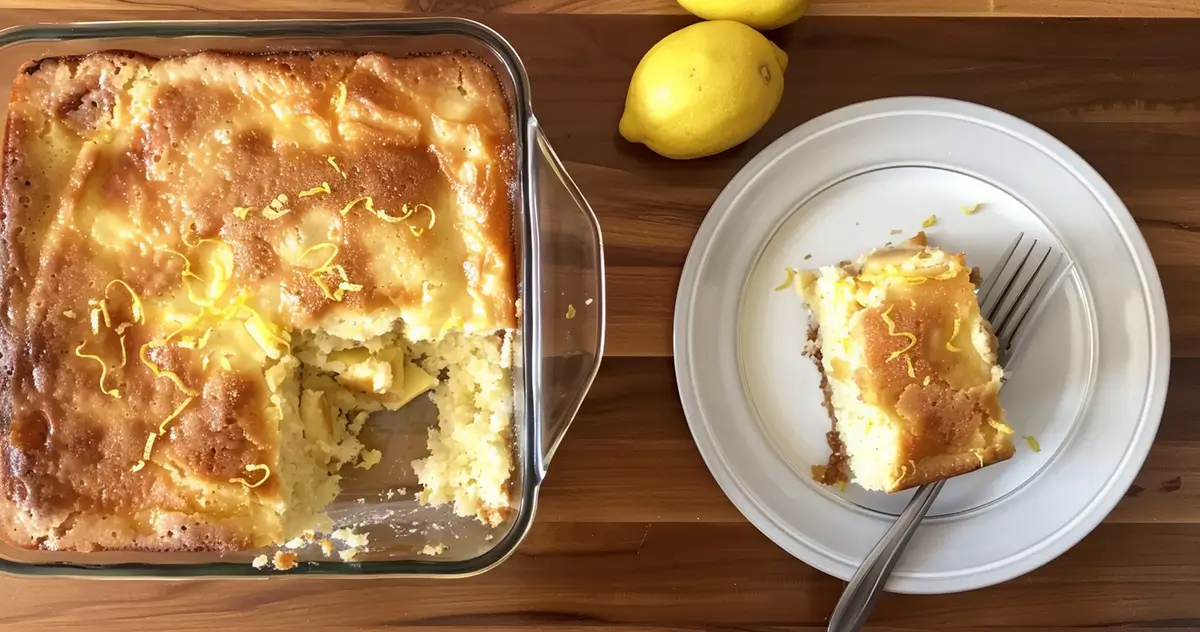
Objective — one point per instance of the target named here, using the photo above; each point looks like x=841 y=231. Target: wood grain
x=633 y=534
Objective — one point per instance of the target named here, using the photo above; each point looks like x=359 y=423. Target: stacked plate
x=1087 y=385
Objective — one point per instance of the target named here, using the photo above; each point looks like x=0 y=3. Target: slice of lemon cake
x=910 y=368
x=217 y=266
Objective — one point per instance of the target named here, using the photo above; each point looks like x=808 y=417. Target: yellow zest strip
x=241 y=212
x=405 y=210
x=970 y=210
x=950 y=343
x=253 y=467
x=332 y=295
x=383 y=215
x=1033 y=443
x=929 y=221
x=432 y=215
x=204 y=338
x=111 y=392
x=333 y=163
x=170 y=375
x=1000 y=426
x=324 y=188
x=328 y=266
x=917 y=280
x=912 y=371
x=187 y=263
x=891 y=325
x=189 y=231
x=352 y=204
x=162 y=427
x=312 y=249
x=791 y=274
x=139 y=314
x=260 y=330
x=339 y=99
x=94 y=318
x=979 y=455
x=225 y=365
x=274 y=209
x=145 y=453
x=416 y=230
x=344 y=285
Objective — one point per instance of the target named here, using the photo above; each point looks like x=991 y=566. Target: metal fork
x=1010 y=299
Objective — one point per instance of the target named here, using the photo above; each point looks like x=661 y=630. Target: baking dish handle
x=572 y=295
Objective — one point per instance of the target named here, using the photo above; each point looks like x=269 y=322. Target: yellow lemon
x=703 y=89
x=761 y=14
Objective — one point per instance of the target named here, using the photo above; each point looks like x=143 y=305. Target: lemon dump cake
x=909 y=368
x=217 y=266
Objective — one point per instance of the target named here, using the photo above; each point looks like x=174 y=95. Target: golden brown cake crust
x=946 y=397
x=927 y=360
x=113 y=160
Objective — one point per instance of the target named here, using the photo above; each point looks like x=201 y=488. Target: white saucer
x=1088 y=382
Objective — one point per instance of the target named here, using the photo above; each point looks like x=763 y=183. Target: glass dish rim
x=532 y=463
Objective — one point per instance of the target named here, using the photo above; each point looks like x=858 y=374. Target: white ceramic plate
x=1088 y=382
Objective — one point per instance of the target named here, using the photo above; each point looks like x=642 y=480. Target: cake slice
x=910 y=368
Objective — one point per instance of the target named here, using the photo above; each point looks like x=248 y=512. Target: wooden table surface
x=632 y=533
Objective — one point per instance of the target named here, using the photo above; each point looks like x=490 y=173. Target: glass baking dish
x=561 y=317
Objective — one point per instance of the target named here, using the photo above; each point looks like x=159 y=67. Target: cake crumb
x=326 y=547
x=489 y=537
x=260 y=561
x=570 y=311
x=348 y=555
x=370 y=458
x=69 y=313
x=285 y=561
x=360 y=501
x=896 y=231
x=433 y=550
x=588 y=302
x=807 y=257
x=350 y=538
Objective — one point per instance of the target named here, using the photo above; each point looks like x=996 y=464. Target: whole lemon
x=761 y=14
x=703 y=89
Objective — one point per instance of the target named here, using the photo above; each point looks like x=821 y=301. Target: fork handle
x=858 y=600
